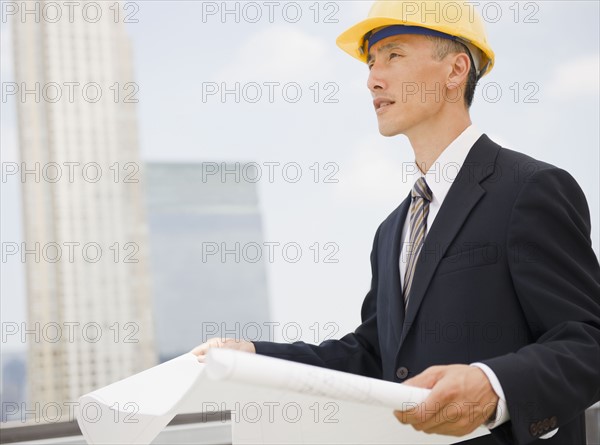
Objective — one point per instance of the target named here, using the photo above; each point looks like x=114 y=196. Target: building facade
x=90 y=317
x=208 y=258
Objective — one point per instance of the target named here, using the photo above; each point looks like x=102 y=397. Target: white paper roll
x=254 y=369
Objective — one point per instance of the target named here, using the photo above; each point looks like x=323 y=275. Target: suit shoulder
x=521 y=168
x=511 y=158
x=487 y=159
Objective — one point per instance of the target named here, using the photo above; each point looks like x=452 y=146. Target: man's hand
x=461 y=399
x=228 y=343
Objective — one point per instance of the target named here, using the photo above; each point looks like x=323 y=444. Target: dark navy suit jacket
x=506 y=276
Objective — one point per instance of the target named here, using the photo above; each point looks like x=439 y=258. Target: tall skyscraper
x=88 y=294
x=208 y=255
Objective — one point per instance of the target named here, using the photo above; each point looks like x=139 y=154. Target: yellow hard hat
x=452 y=19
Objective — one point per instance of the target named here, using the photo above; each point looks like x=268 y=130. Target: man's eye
x=393 y=55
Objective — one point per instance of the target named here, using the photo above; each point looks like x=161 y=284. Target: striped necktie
x=419 y=210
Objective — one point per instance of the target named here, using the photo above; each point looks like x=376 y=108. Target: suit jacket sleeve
x=556 y=277
x=357 y=352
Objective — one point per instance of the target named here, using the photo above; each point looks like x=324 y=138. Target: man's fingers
x=448 y=424
x=419 y=413
x=229 y=343
x=456 y=404
x=202 y=349
x=434 y=418
x=412 y=414
x=426 y=413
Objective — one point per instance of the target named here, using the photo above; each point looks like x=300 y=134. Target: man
x=485 y=287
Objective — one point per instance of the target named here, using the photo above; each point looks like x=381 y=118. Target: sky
x=303 y=108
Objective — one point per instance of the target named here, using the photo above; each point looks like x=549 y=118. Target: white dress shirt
x=439 y=178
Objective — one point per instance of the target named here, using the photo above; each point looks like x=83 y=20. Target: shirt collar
x=444 y=170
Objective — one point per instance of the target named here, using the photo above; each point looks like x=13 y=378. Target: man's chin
x=388 y=131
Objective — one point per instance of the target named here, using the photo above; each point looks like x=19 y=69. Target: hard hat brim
x=351 y=41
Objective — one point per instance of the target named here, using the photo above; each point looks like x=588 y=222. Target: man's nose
x=375 y=80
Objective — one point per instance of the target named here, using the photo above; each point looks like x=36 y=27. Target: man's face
x=406 y=83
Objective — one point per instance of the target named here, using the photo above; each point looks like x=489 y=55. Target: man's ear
x=461 y=64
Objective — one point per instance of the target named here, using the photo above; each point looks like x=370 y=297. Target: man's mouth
x=380 y=104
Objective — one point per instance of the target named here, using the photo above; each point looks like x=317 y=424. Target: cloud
x=285 y=54
x=359 y=9
x=373 y=173
x=578 y=77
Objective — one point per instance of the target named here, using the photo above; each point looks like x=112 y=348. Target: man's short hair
x=443 y=47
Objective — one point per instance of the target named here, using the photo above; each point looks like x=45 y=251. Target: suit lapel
x=396 y=304
x=463 y=195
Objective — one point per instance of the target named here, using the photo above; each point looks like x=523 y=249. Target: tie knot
x=421 y=190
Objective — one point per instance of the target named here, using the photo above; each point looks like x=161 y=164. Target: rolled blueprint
x=254 y=369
